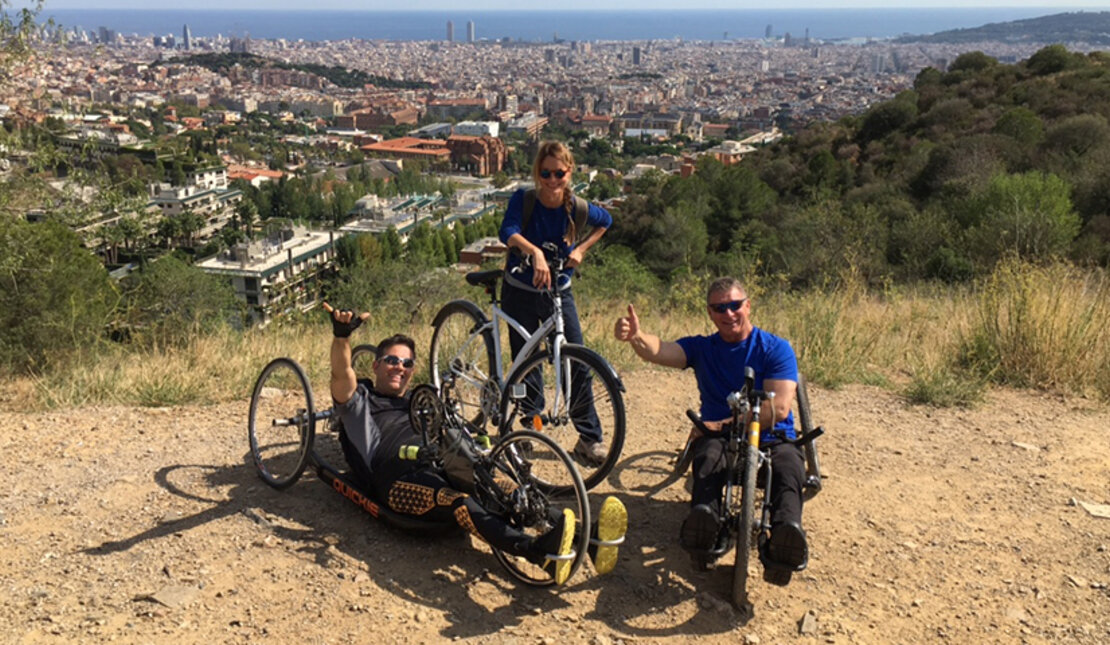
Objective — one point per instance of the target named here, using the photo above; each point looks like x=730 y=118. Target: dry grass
x=1028 y=326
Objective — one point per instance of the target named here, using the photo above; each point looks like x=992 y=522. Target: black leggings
x=788 y=477
x=426 y=493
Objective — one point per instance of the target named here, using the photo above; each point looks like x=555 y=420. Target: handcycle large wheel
x=461 y=354
x=589 y=394
x=281 y=423
x=805 y=418
x=745 y=530
x=523 y=463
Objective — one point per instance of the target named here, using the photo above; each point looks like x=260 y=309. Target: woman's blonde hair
x=563 y=154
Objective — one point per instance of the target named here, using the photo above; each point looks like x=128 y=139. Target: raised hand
x=344 y=321
x=627 y=326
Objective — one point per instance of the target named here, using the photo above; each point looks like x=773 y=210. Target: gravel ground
x=149 y=526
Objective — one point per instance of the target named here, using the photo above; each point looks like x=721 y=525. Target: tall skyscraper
x=450 y=31
x=635 y=55
x=469 y=31
x=767 y=32
x=187 y=38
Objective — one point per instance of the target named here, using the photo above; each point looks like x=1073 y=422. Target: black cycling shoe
x=788 y=546
x=700 y=529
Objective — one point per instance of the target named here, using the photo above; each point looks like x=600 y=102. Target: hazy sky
x=479 y=5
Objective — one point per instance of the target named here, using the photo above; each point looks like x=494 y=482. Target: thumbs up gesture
x=627 y=326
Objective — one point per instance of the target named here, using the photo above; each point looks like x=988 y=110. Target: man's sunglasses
x=733 y=305
x=559 y=174
x=394 y=361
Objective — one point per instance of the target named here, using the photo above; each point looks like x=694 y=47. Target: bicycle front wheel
x=521 y=465
x=745 y=536
x=281 y=423
x=462 y=355
x=584 y=406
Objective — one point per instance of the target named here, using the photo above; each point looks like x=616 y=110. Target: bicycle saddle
x=487 y=279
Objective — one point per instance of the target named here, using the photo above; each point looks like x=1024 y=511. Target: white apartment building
x=478 y=128
x=278 y=275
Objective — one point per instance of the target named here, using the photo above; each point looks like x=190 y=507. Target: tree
x=1053 y=59
x=1029 y=214
x=170 y=301
x=17 y=35
x=247 y=213
x=975 y=61
x=55 y=296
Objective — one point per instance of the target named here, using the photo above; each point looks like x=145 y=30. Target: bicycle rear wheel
x=464 y=356
x=281 y=423
x=522 y=464
x=588 y=399
x=745 y=535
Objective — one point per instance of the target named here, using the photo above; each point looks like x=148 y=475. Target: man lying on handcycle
x=719 y=361
x=376 y=425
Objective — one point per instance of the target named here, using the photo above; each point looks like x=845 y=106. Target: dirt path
x=958 y=526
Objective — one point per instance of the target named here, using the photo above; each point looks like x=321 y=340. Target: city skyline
x=566 y=5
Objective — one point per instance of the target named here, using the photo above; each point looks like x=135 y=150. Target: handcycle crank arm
x=807 y=438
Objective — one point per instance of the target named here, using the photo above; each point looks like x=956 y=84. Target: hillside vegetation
x=955 y=236
x=1079 y=27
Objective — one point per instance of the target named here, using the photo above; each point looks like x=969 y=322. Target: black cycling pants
x=787 y=479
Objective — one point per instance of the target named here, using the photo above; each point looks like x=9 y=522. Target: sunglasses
x=733 y=305
x=394 y=361
x=559 y=174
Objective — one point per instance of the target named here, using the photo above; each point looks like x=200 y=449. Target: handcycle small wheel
x=589 y=396
x=362 y=360
x=745 y=529
x=465 y=357
x=281 y=423
x=522 y=463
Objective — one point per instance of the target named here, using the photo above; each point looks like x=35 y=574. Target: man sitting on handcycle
x=719 y=362
x=376 y=424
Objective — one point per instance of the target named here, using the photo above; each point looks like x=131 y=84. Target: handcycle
x=510 y=477
x=747 y=464
x=551 y=389
x=805 y=419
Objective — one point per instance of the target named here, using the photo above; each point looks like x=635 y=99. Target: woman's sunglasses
x=559 y=174
x=394 y=361
x=733 y=305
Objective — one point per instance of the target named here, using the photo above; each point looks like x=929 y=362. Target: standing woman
x=551 y=220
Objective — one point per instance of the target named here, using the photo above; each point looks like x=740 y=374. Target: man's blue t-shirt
x=719 y=368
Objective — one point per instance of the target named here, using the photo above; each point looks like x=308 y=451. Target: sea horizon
x=546 y=25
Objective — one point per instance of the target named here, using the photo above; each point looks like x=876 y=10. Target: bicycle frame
x=553 y=327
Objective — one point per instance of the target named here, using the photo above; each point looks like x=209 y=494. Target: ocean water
x=824 y=24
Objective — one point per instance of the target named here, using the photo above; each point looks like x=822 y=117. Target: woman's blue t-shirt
x=545 y=225
x=719 y=368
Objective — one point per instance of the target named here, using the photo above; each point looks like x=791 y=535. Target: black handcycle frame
x=747 y=464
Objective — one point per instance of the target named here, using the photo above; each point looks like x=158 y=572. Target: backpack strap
x=581 y=213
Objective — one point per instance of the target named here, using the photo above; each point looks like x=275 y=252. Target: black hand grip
x=696 y=418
